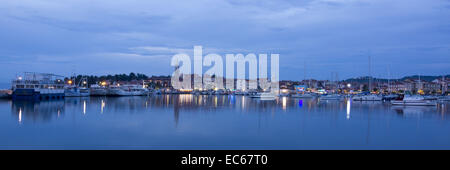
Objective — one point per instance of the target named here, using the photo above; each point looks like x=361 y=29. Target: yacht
x=37 y=86
x=369 y=97
x=413 y=101
x=97 y=90
x=264 y=96
x=430 y=97
x=390 y=97
x=127 y=90
x=331 y=97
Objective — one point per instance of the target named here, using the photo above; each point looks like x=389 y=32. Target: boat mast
x=370 y=77
x=389 y=79
x=420 y=86
x=443 y=84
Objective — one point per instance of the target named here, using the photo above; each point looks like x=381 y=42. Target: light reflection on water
x=220 y=122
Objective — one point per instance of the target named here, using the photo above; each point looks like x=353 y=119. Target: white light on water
x=84 y=107
x=20 y=115
x=103 y=106
x=348 y=108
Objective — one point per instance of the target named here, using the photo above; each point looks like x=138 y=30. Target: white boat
x=331 y=97
x=127 y=90
x=390 y=97
x=264 y=96
x=76 y=92
x=97 y=90
x=430 y=97
x=239 y=93
x=370 y=97
x=5 y=94
x=414 y=101
x=305 y=95
x=444 y=98
x=38 y=86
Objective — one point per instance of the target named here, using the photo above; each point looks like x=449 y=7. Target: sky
x=315 y=38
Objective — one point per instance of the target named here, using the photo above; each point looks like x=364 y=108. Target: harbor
x=46 y=86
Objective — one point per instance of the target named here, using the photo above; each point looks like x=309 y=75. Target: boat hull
x=403 y=103
x=31 y=94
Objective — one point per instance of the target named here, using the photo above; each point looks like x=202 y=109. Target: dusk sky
x=122 y=36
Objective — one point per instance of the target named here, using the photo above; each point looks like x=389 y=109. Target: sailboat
x=368 y=97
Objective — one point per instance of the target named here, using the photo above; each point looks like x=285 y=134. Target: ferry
x=38 y=86
x=413 y=101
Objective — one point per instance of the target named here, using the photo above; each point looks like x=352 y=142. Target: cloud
x=329 y=34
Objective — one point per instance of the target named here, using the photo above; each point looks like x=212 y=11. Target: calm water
x=220 y=122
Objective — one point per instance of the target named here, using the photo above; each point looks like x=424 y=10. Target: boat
x=97 y=90
x=304 y=95
x=264 y=96
x=237 y=92
x=331 y=97
x=369 y=97
x=37 y=86
x=206 y=92
x=390 y=97
x=127 y=90
x=415 y=100
x=444 y=98
x=4 y=94
x=77 y=90
x=430 y=97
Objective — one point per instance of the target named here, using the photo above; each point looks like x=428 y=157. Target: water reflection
x=179 y=120
x=414 y=111
x=37 y=111
x=349 y=101
x=45 y=110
